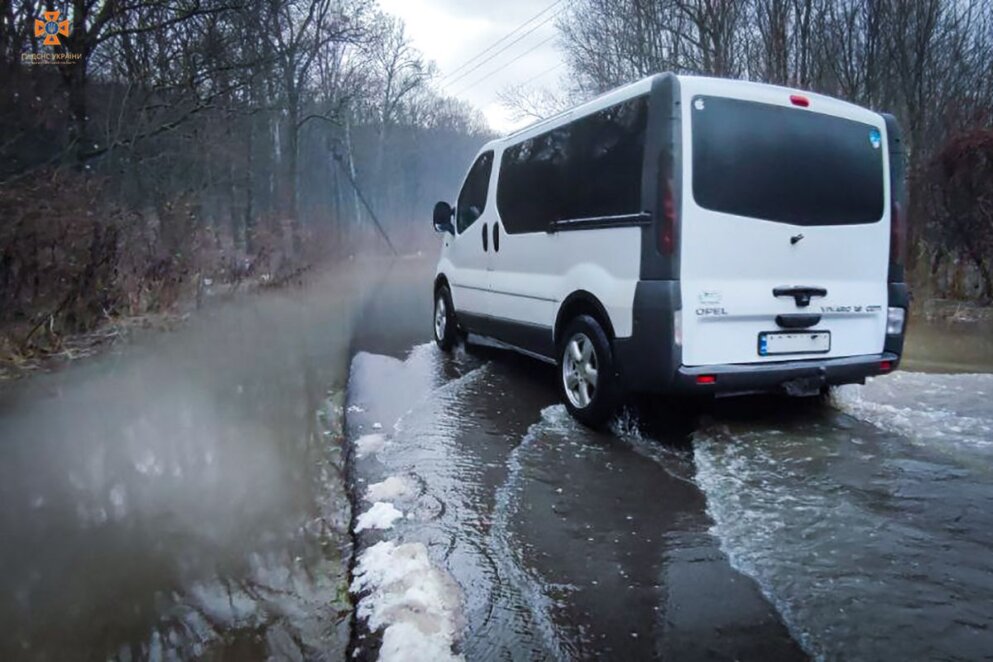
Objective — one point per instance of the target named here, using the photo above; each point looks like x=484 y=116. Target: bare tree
x=930 y=62
x=532 y=103
x=190 y=132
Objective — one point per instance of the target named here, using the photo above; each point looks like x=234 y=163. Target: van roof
x=642 y=86
x=608 y=98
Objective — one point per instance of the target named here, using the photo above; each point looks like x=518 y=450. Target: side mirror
x=443 y=218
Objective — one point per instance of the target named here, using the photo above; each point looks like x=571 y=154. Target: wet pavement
x=185 y=498
x=564 y=543
x=868 y=523
x=753 y=528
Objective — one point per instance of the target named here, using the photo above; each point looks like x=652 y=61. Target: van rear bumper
x=786 y=376
x=650 y=361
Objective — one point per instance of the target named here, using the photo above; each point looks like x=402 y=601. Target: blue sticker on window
x=875 y=139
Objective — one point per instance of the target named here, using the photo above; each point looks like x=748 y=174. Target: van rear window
x=785 y=164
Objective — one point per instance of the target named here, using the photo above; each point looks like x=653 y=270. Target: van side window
x=472 y=198
x=585 y=169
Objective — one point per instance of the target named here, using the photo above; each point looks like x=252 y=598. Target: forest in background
x=186 y=145
x=193 y=142
x=929 y=62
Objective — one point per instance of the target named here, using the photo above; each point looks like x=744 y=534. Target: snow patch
x=418 y=604
x=380 y=516
x=369 y=444
x=391 y=489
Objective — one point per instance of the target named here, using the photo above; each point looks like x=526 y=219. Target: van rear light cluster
x=895 y=318
x=885 y=366
x=667 y=228
x=706 y=379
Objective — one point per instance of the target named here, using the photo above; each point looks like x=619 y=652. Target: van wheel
x=587 y=379
x=445 y=329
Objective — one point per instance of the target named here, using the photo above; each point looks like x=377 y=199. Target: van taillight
x=898 y=233
x=667 y=228
x=799 y=100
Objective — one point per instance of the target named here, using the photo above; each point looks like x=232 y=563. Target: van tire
x=592 y=378
x=445 y=326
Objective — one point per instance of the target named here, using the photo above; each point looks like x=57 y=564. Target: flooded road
x=563 y=543
x=182 y=498
x=757 y=528
x=186 y=498
x=869 y=524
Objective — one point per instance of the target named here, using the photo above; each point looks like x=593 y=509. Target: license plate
x=791 y=342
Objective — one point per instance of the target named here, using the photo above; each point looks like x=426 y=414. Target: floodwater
x=185 y=497
x=945 y=346
x=868 y=523
x=759 y=528
x=563 y=543
x=182 y=498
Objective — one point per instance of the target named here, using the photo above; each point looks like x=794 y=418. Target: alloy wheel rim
x=440 y=318
x=580 y=370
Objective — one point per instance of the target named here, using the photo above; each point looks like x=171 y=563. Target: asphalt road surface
x=858 y=527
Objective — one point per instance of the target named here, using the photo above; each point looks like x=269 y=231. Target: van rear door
x=784 y=228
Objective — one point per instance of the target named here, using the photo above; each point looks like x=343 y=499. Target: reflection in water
x=185 y=497
x=944 y=346
x=869 y=527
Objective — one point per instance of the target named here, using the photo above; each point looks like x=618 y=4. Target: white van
x=684 y=235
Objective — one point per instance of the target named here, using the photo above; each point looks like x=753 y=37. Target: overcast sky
x=450 y=32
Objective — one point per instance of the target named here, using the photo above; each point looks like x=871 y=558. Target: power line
x=502 y=50
x=499 y=41
x=537 y=76
x=504 y=65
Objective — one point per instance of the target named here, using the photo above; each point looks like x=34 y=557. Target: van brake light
x=799 y=100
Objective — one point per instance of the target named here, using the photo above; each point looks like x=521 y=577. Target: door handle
x=800 y=293
x=486 y=239
x=496 y=237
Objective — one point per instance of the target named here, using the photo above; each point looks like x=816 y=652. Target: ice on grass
x=415 y=604
x=381 y=515
x=391 y=489
x=369 y=444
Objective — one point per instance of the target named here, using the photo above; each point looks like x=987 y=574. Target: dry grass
x=79 y=272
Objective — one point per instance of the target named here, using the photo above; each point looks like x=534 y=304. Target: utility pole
x=365 y=203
